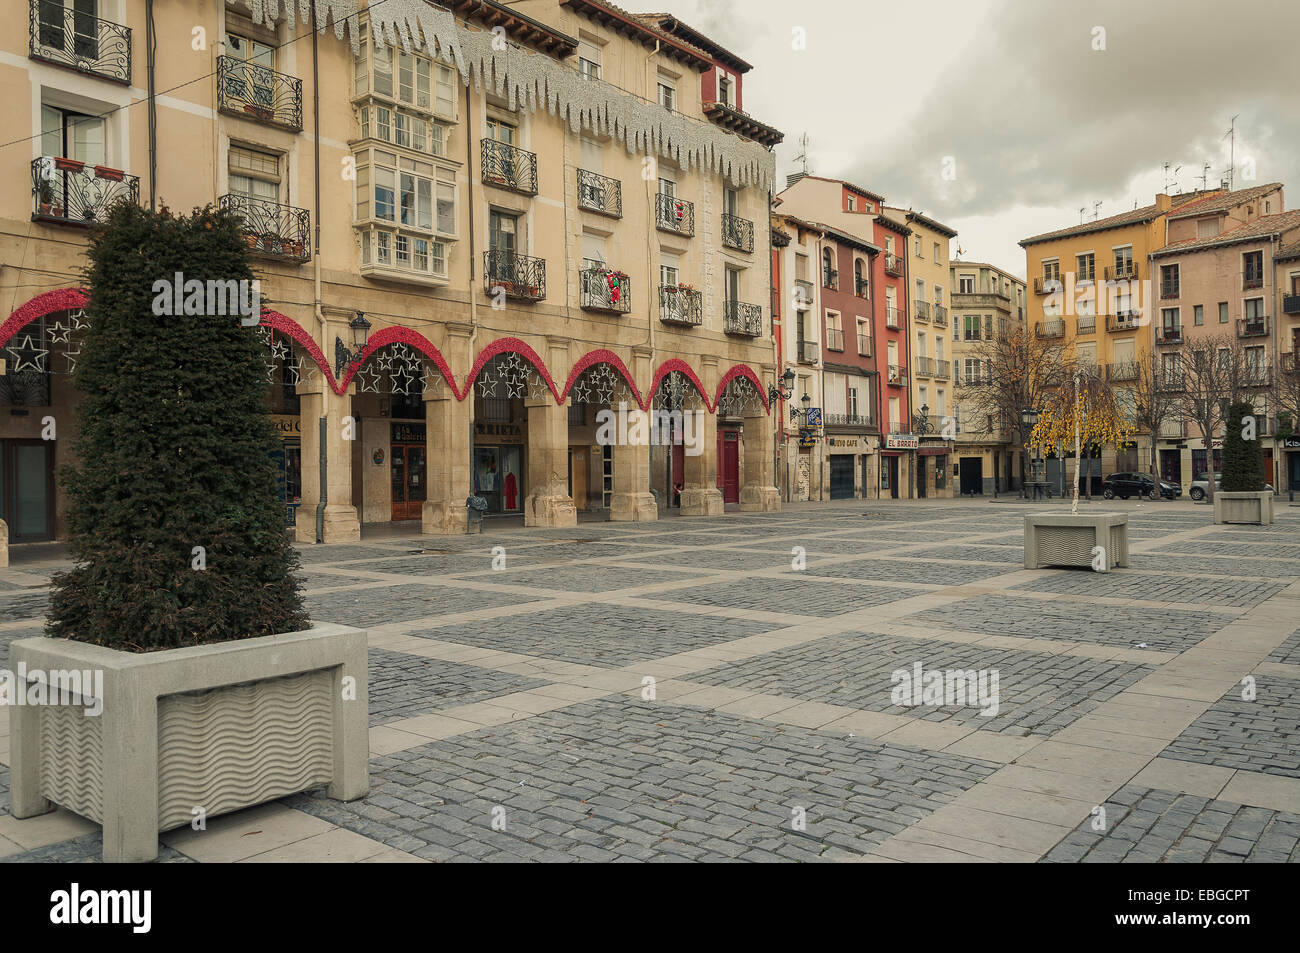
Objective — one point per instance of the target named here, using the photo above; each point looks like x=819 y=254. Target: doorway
x=971 y=470
x=841 y=476
x=889 y=476
x=921 y=468
x=409 y=469
x=729 y=465
x=27 y=489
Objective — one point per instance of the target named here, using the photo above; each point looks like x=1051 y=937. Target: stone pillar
x=758 y=494
x=447 y=423
x=4 y=544
x=548 y=502
x=700 y=493
x=632 y=501
x=341 y=525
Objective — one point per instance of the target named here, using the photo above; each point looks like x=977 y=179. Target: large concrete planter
x=213 y=728
x=1059 y=539
x=1243 y=506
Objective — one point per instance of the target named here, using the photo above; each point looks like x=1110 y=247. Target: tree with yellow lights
x=1084 y=411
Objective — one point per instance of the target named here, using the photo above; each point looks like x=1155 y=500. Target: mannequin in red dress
x=512 y=488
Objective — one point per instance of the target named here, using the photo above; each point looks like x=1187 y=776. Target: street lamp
x=343 y=357
x=786 y=389
x=1028 y=420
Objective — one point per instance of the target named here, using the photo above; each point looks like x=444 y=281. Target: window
x=503 y=229
x=864 y=337
x=918 y=246
x=938 y=295
x=1169 y=321
x=920 y=291
x=667 y=94
x=1085 y=266
x=853 y=402
x=731 y=284
x=936 y=253
x=828 y=269
x=860 y=287
x=72 y=135
x=1169 y=281
x=1254 y=309
x=971 y=322
x=667 y=187
x=1051 y=270
x=254 y=174
x=1223 y=312
x=588 y=60
x=834 y=332
x=726 y=89
x=1252 y=269
x=501 y=131
x=1198 y=315
x=1124 y=261
x=966 y=284
x=397 y=128
x=670 y=274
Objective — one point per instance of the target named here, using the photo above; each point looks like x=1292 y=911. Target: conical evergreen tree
x=173 y=452
x=1243 y=459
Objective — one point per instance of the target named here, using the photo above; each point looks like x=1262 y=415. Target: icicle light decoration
x=532 y=81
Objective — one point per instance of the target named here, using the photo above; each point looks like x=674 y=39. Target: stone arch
x=741 y=372
x=519 y=348
x=392 y=338
x=595 y=359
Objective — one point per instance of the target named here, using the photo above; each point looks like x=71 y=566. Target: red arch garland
x=400 y=335
x=62 y=299
x=677 y=364
x=503 y=346
x=742 y=370
x=291 y=328
x=602 y=356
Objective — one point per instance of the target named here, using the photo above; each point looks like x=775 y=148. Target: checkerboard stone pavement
x=688 y=690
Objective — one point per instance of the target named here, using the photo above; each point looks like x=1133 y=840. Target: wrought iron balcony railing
x=1169 y=334
x=1257 y=375
x=1256 y=327
x=849 y=420
x=940 y=317
x=1173 y=429
x=65 y=36
x=893 y=264
x=678 y=305
x=1122 y=371
x=896 y=376
x=1123 y=321
x=864 y=345
x=921 y=311
x=599 y=193
x=1251 y=280
x=518 y=276
x=1047 y=284
x=893 y=318
x=604 y=289
x=674 y=215
x=737 y=232
x=272 y=229
x=935 y=425
x=831 y=279
x=1051 y=328
x=834 y=339
x=248 y=89
x=71 y=192
x=942 y=370
x=1291 y=304
x=508 y=167
x=740 y=318
x=1169 y=289
x=861 y=287
x=806 y=352
x=1128 y=269
x=1086 y=325
x=1172 y=381
x=925 y=367
x=803 y=294
x=1289 y=363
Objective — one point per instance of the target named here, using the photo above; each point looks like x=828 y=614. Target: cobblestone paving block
x=403 y=686
x=1161 y=629
x=1289 y=651
x=326 y=580
x=790 y=595
x=86 y=849
x=610 y=779
x=1187 y=565
x=444 y=565
x=602 y=635
x=857 y=544
x=1152 y=826
x=973 y=553
x=1199 y=547
x=338 y=553
x=370 y=607
x=1121 y=585
x=23 y=604
x=593 y=578
x=1037 y=694
x=1252 y=534
x=1261 y=735
x=737 y=559
x=904 y=570
x=10 y=635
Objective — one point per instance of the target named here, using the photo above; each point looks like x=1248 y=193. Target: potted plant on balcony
x=1242 y=497
x=45 y=196
x=206 y=690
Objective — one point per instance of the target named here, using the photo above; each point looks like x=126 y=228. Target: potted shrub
x=1242 y=497
x=206 y=688
x=45 y=196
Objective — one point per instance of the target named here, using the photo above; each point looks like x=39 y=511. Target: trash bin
x=475 y=510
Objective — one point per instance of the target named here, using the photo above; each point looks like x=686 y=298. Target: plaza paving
x=1123 y=730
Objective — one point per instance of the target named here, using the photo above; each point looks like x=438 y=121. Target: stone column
x=4 y=544
x=447 y=423
x=341 y=525
x=700 y=494
x=758 y=494
x=632 y=501
x=548 y=502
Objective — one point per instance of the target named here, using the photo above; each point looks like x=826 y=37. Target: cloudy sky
x=1038 y=123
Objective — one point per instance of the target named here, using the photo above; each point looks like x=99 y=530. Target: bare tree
x=1016 y=372
x=1154 y=405
x=1215 y=373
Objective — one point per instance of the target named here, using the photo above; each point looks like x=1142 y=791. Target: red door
x=729 y=465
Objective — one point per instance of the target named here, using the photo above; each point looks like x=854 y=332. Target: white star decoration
x=368 y=379
x=28 y=355
x=487 y=385
x=537 y=389
x=59 y=332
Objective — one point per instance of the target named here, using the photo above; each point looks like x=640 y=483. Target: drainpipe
x=473 y=292
x=150 y=44
x=316 y=278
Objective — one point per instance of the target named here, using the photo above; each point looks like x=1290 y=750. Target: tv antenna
x=802 y=157
x=1171 y=177
x=960 y=251
x=1082 y=211
x=1231 y=135
x=1205 y=176
x=1096 y=208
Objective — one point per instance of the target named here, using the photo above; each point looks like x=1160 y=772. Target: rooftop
x=1222 y=201
x=856 y=188
x=634 y=26
x=671 y=24
x=1260 y=229
x=1137 y=216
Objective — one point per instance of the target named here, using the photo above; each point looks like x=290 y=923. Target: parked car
x=1125 y=485
x=1201 y=485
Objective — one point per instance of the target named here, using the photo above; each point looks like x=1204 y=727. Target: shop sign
x=1291 y=443
x=847 y=443
x=498 y=433
x=408 y=433
x=901 y=441
x=814 y=417
x=287 y=425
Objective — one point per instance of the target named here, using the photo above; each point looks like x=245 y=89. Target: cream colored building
x=521 y=268
x=987 y=304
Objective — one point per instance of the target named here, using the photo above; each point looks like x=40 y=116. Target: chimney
x=1163 y=202
x=793 y=177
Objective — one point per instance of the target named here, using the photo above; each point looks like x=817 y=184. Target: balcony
x=1172 y=382
x=1257 y=375
x=863 y=421
x=1123 y=321
x=1256 y=327
x=932 y=425
x=259 y=93
x=921 y=311
x=272 y=230
x=1251 y=280
x=1289 y=363
x=1169 y=289
x=864 y=345
x=834 y=339
x=803 y=294
x=1051 y=328
x=924 y=367
x=896 y=376
x=894 y=318
x=742 y=319
x=831 y=279
x=1169 y=334
x=519 y=276
x=509 y=168
x=806 y=351
x=64 y=36
x=682 y=305
x=1086 y=325
x=861 y=287
x=893 y=264
x=674 y=215
x=1122 y=371
x=604 y=289
x=600 y=194
x=1047 y=284
x=737 y=233
x=942 y=370
x=1291 y=304
x=1122 y=271
x=69 y=192
x=1173 y=429
x=940 y=317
